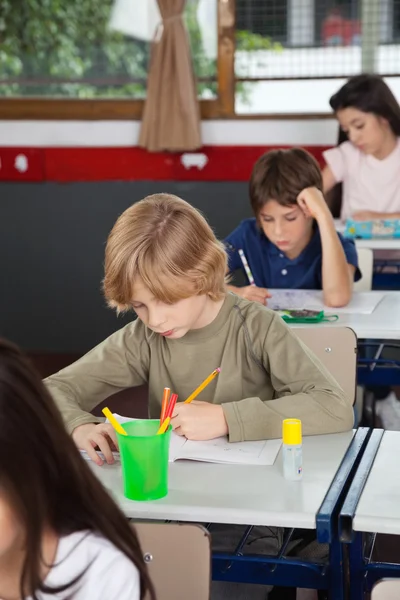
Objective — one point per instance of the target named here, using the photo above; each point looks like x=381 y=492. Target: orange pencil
x=164 y=404
x=201 y=387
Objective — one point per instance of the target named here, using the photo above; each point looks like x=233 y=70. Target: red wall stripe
x=22 y=164
x=219 y=163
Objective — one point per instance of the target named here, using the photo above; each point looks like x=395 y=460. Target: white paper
x=290 y=299
x=85 y=455
x=362 y=303
x=219 y=450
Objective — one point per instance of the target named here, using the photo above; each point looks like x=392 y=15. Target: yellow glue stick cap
x=291 y=432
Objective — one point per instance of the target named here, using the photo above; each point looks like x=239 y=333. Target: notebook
x=219 y=450
x=362 y=303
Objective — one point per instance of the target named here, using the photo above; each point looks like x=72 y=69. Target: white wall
x=125 y=133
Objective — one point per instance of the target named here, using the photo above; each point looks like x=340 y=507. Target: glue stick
x=292 y=449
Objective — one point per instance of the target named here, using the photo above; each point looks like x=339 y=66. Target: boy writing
x=292 y=241
x=164 y=262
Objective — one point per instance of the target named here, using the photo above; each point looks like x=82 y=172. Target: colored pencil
x=168 y=414
x=117 y=426
x=171 y=405
x=202 y=386
x=164 y=404
x=163 y=428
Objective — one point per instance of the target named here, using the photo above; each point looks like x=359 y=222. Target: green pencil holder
x=144 y=459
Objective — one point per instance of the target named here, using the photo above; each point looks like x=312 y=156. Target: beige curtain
x=171 y=117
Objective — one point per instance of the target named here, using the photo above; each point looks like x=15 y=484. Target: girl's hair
x=46 y=480
x=370 y=94
x=281 y=175
x=169 y=245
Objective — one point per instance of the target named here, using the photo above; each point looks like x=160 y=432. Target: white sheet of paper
x=362 y=303
x=221 y=451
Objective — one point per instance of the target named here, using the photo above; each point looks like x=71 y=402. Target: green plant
x=247 y=43
x=251 y=42
x=59 y=48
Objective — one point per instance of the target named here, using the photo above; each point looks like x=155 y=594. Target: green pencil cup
x=144 y=459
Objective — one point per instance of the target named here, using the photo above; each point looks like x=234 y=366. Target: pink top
x=368 y=183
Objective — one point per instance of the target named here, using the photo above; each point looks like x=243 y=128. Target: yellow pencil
x=117 y=426
x=163 y=428
x=202 y=386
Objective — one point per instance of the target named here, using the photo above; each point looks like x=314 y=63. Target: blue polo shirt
x=271 y=268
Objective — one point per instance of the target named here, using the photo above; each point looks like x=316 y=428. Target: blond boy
x=164 y=262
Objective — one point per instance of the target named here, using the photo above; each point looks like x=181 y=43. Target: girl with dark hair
x=61 y=535
x=367 y=159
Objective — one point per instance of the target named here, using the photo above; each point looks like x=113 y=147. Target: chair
x=178 y=557
x=386 y=589
x=366 y=265
x=336 y=348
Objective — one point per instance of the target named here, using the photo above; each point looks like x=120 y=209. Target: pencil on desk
x=202 y=386
x=246 y=267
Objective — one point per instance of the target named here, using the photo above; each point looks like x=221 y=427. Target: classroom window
x=251 y=57
x=294 y=54
x=74 y=49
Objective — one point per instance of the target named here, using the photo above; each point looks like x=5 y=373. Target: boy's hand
x=90 y=435
x=312 y=203
x=199 y=420
x=254 y=293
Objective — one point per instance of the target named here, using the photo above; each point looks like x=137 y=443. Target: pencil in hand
x=202 y=386
x=246 y=267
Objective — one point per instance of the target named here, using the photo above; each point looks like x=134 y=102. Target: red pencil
x=171 y=405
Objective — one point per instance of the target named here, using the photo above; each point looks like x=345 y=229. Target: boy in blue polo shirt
x=292 y=241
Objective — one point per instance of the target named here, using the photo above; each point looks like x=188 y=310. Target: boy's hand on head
x=199 y=420
x=91 y=435
x=312 y=203
x=254 y=293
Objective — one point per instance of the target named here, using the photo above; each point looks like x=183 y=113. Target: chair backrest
x=178 y=557
x=366 y=265
x=336 y=348
x=386 y=589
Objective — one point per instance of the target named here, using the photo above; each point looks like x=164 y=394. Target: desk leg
x=337 y=581
x=356 y=565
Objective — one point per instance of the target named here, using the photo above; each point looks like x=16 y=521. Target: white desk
x=383 y=323
x=240 y=494
x=378 y=510
x=377 y=244
x=374 y=244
